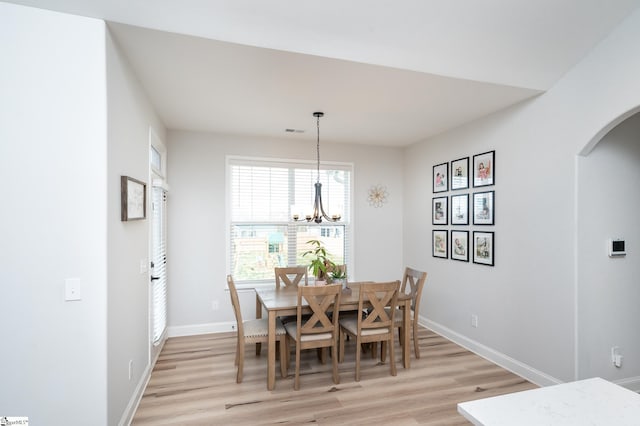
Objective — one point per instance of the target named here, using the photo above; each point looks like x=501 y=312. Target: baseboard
x=504 y=361
x=130 y=411
x=195 y=329
x=631 y=383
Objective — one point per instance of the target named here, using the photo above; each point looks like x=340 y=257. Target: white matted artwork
x=460 y=245
x=439 y=211
x=439 y=244
x=133 y=199
x=460 y=174
x=440 y=177
x=484 y=169
x=483 y=248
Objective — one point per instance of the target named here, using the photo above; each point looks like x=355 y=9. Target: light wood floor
x=193 y=383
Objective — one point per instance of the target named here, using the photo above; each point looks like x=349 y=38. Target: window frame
x=345 y=220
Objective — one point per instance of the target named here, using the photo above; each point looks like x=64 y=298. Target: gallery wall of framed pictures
x=464 y=202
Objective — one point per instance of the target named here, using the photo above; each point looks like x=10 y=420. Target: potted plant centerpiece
x=338 y=275
x=320 y=263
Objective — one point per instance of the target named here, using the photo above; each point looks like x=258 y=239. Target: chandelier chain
x=318 y=145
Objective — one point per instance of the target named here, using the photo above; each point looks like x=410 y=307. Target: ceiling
x=385 y=72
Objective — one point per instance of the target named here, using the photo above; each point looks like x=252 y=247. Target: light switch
x=143 y=266
x=72 y=289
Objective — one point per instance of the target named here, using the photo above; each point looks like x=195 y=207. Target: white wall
x=53 y=217
x=128 y=337
x=609 y=290
x=196 y=213
x=527 y=303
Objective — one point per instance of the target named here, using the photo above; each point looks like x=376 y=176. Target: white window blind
x=264 y=195
x=159 y=265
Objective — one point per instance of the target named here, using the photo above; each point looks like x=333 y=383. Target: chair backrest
x=291 y=276
x=412 y=284
x=321 y=301
x=236 y=304
x=378 y=296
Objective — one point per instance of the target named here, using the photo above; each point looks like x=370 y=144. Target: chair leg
x=383 y=351
x=392 y=359
x=296 y=381
x=416 y=347
x=341 y=349
x=283 y=356
x=240 y=362
x=358 y=344
x=258 y=348
x=322 y=355
x=334 y=360
x=287 y=352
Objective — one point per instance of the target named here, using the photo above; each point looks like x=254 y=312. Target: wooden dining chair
x=291 y=276
x=377 y=325
x=317 y=330
x=412 y=285
x=253 y=331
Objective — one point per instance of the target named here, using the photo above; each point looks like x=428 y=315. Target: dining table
x=280 y=302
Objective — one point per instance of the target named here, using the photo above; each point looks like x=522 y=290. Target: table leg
x=406 y=331
x=258 y=316
x=271 y=363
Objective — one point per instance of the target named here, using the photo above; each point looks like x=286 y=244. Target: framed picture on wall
x=439 y=243
x=440 y=177
x=483 y=248
x=460 y=245
x=439 y=211
x=133 y=199
x=460 y=209
x=460 y=174
x=484 y=169
x=483 y=208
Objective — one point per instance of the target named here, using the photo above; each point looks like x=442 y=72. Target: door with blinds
x=158 y=263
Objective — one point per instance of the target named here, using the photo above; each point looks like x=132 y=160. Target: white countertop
x=588 y=402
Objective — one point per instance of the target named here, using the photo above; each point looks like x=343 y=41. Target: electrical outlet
x=215 y=305
x=474 y=320
x=130 y=369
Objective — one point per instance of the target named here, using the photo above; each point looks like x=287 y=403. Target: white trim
x=160 y=183
x=196 y=329
x=136 y=397
x=631 y=383
x=504 y=361
x=287 y=162
x=576 y=266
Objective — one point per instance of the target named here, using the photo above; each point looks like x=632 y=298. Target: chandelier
x=318 y=210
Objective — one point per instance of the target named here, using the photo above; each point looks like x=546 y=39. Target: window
x=263 y=197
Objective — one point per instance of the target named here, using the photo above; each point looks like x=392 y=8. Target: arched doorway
x=608 y=288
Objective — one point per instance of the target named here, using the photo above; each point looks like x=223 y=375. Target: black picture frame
x=484 y=166
x=483 y=248
x=484 y=206
x=439 y=243
x=459 y=209
x=441 y=178
x=439 y=210
x=133 y=199
x=459 y=174
x=460 y=245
